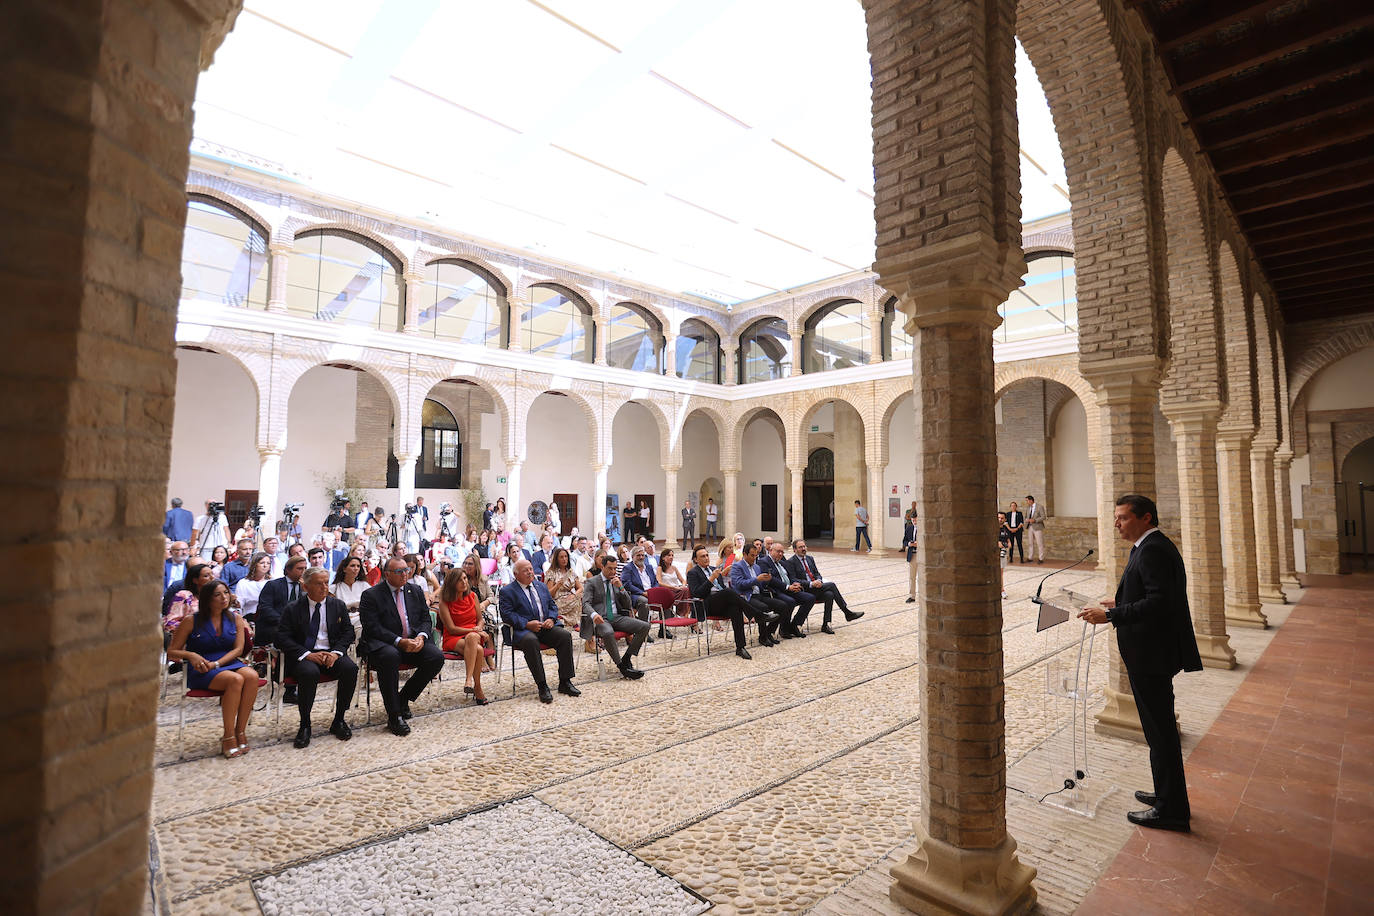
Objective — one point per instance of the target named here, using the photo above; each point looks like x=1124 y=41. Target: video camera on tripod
x=337 y=504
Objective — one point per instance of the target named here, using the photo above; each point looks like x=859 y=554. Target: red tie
x=401 y=610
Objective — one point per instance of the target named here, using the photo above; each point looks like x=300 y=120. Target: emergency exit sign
x=500 y=480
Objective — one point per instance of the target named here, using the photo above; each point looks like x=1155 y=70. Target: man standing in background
x=178 y=524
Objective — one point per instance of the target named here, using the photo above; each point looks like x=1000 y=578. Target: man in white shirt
x=211 y=531
x=712 y=514
x=174 y=567
x=314 y=636
x=861 y=526
x=580 y=557
x=272 y=547
x=363 y=515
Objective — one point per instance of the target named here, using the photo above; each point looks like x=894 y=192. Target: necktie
x=401 y=610
x=315 y=626
x=610 y=603
x=295 y=592
x=782 y=575
x=534 y=603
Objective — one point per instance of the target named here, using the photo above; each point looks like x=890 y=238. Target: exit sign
x=815 y=429
x=753 y=483
x=500 y=480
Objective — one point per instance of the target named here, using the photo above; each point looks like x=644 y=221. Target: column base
x=1272 y=595
x=671 y=544
x=880 y=552
x=1246 y=616
x=1290 y=581
x=944 y=879
x=277 y=308
x=1216 y=651
x=1119 y=718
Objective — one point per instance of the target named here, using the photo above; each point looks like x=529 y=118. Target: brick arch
x=668 y=436
x=657 y=313
x=1332 y=349
x=1238 y=351
x=708 y=320
x=403 y=263
x=749 y=414
x=1192 y=316
x=817 y=398
x=392 y=384
x=1266 y=377
x=600 y=447
x=466 y=373
x=1009 y=374
x=528 y=282
x=262 y=224
x=717 y=419
x=804 y=315
x=485 y=266
x=1098 y=110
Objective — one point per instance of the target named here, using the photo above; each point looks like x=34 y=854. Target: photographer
x=211 y=530
x=449 y=525
x=413 y=529
x=339 y=516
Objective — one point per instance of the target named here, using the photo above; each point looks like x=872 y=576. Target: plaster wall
x=213 y=429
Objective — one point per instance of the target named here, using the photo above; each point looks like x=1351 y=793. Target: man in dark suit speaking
x=1154 y=630
x=396 y=629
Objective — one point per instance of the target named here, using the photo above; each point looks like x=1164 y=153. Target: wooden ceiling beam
x=1202 y=19
x=1314 y=240
x=1354 y=298
x=1351 y=251
x=1328 y=132
x=1333 y=182
x=1285 y=237
x=1313 y=165
x=1272 y=40
x=1330 y=268
x=1317 y=313
x=1293 y=112
x=1281 y=78
x=1357 y=278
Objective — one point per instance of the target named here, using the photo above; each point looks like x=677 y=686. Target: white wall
x=557 y=460
x=700 y=461
x=1344 y=384
x=319 y=426
x=636 y=464
x=901 y=470
x=761 y=462
x=214 y=428
x=1075 y=479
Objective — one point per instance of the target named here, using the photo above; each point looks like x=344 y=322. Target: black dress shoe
x=767 y=641
x=289 y=696
x=826 y=628
x=911 y=601
x=853 y=615
x=339 y=729
x=629 y=671
x=1146 y=798
x=404 y=709
x=302 y=737
x=787 y=632
x=744 y=654
x=545 y=694
x=567 y=689
x=398 y=726
x=1152 y=818
x=798 y=631
x=767 y=620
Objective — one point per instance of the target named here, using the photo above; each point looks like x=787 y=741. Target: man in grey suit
x=606 y=609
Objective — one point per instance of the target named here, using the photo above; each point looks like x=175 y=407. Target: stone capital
x=1234 y=437
x=672 y=468
x=266 y=452
x=1194 y=413
x=1122 y=380
x=958 y=281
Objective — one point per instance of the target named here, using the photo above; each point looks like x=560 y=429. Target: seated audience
x=421 y=577
x=464 y=630
x=505 y=568
x=565 y=586
x=669 y=576
x=272 y=547
x=479 y=586
x=707 y=584
x=781 y=586
x=726 y=552
x=179 y=600
x=529 y=611
x=314 y=634
x=752 y=585
x=174 y=567
x=802 y=568
x=276 y=596
x=541 y=557
x=238 y=566
x=606 y=609
x=248 y=532
x=218 y=557
x=210 y=642
x=638 y=576
x=249 y=588
x=348 y=586
x=396 y=630
x=483 y=546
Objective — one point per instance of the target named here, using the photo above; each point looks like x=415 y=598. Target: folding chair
x=326 y=677
x=664 y=600
x=194 y=695
x=365 y=675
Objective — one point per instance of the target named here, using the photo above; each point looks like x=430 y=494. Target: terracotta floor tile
x=1266 y=841
x=1283 y=764
x=1284 y=796
x=1187 y=854
x=1327 y=744
x=1339 y=903
x=1267 y=882
x=1351 y=873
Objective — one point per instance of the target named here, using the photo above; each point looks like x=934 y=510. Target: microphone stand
x=1080 y=679
x=1037 y=599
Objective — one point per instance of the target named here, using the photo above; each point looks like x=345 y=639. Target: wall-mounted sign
x=815 y=429
x=753 y=483
x=500 y=480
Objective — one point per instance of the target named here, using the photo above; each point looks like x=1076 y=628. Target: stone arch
x=705 y=318
x=599 y=437
x=240 y=208
x=501 y=395
x=1194 y=372
x=804 y=315
x=1239 y=349
x=751 y=413
x=480 y=265
x=648 y=309
x=1332 y=348
x=1266 y=379
x=527 y=282
x=402 y=263
x=669 y=435
x=1099 y=110
x=808 y=402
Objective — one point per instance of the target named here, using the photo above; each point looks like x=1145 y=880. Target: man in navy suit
x=396 y=631
x=752 y=585
x=639 y=576
x=276 y=596
x=543 y=555
x=174 y=567
x=529 y=611
x=802 y=568
x=785 y=588
x=314 y=635
x=1154 y=631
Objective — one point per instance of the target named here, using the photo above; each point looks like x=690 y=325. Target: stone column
x=729 y=513
x=599 y=498
x=405 y=483
x=1127 y=391
x=877 y=513
x=794 y=334
x=517 y=314
x=798 y=472
x=670 y=355
x=1321 y=537
x=414 y=283
x=1283 y=516
x=875 y=332
x=269 y=485
x=729 y=369
x=515 y=510
x=603 y=333
x=279 y=255
x=1266 y=524
x=672 y=518
x=1237 y=529
x=1195 y=435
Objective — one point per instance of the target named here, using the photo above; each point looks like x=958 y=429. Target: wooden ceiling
x=1280 y=94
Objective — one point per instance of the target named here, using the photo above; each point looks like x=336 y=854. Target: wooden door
x=655 y=524
x=567 y=511
x=236 y=506
x=768 y=512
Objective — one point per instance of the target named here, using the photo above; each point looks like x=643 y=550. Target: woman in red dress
x=463 y=629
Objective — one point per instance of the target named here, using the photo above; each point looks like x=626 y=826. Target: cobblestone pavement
x=770 y=786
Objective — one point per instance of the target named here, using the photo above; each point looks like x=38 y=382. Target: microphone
x=1037 y=599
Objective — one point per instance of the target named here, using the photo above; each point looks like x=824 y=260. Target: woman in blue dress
x=210 y=643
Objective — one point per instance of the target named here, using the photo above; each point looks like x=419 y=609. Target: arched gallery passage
x=460 y=444
x=899 y=478
x=214 y=431
x=700 y=477
x=636 y=473
x=558 y=437
x=834 y=427
x=763 y=495
x=1042 y=450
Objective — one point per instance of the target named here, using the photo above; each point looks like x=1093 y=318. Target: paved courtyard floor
x=785 y=784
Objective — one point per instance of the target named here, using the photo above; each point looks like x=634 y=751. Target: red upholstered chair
x=195 y=695
x=664 y=601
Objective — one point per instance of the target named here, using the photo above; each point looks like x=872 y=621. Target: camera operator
x=289 y=528
x=412 y=529
x=211 y=530
x=340 y=516
x=449 y=525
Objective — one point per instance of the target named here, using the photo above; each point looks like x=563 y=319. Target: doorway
x=768 y=510
x=648 y=500
x=818 y=495
x=236 y=506
x=567 y=511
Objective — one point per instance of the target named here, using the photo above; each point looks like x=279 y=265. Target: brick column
x=603 y=333
x=1127 y=391
x=1237 y=529
x=269 y=485
x=1321 y=540
x=798 y=472
x=414 y=282
x=279 y=254
x=1199 y=521
x=729 y=369
x=517 y=312
x=599 y=490
x=1266 y=523
x=95 y=109
x=1283 y=516
x=729 y=513
x=672 y=525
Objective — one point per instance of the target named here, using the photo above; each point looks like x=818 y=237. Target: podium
x=1058 y=771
